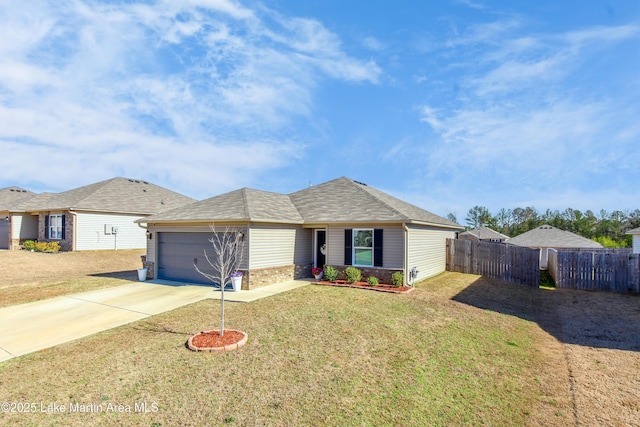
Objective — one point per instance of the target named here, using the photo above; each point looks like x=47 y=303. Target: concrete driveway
x=30 y=327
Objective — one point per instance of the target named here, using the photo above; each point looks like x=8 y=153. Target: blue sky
x=446 y=104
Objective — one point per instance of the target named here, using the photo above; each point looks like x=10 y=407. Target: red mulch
x=382 y=287
x=212 y=339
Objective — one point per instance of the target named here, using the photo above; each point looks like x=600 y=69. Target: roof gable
x=122 y=195
x=483 y=232
x=547 y=236
x=11 y=197
x=240 y=205
x=346 y=200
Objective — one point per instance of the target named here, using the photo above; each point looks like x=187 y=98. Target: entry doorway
x=320 y=258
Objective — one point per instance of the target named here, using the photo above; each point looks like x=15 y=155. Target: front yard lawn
x=315 y=356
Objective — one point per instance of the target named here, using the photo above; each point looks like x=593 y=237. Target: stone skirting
x=268 y=276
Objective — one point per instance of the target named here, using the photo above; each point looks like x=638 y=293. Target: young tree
x=228 y=247
x=477 y=216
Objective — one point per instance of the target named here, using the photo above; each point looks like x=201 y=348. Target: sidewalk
x=26 y=328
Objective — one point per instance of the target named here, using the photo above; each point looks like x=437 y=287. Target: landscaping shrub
x=372 y=280
x=50 y=247
x=29 y=245
x=352 y=274
x=330 y=273
x=397 y=279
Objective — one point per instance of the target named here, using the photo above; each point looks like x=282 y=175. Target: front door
x=321 y=240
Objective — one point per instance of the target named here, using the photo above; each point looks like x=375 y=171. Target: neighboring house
x=546 y=237
x=96 y=216
x=338 y=223
x=635 y=233
x=484 y=234
x=15 y=226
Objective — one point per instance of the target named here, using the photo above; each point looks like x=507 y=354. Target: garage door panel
x=176 y=253
x=4 y=233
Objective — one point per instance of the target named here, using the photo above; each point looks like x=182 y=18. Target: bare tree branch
x=228 y=247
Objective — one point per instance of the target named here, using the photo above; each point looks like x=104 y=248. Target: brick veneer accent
x=150 y=265
x=268 y=276
x=67 y=243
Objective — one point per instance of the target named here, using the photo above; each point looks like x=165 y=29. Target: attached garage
x=176 y=253
x=4 y=233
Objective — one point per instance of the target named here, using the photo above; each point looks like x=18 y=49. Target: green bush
x=372 y=280
x=397 y=279
x=352 y=274
x=30 y=245
x=330 y=273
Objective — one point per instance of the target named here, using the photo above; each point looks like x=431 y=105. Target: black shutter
x=348 y=242
x=64 y=226
x=46 y=226
x=377 y=247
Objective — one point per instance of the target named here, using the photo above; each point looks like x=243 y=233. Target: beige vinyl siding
x=392 y=249
x=24 y=226
x=90 y=232
x=279 y=245
x=427 y=250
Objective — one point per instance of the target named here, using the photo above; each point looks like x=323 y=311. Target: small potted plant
x=317 y=272
x=236 y=280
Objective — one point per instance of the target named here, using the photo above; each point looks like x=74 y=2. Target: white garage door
x=177 y=252
x=4 y=233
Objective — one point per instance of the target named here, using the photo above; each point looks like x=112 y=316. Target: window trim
x=59 y=227
x=370 y=248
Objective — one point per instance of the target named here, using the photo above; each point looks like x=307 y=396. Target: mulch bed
x=211 y=341
x=382 y=287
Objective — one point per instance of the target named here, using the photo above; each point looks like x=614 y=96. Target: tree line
x=606 y=228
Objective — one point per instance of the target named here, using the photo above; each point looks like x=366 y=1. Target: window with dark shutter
x=348 y=242
x=377 y=247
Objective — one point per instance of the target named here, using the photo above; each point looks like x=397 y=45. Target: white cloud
x=530 y=124
x=175 y=86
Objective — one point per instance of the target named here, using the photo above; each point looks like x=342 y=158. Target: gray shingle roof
x=547 y=236
x=11 y=197
x=341 y=200
x=346 y=200
x=483 y=232
x=240 y=205
x=117 y=195
x=634 y=231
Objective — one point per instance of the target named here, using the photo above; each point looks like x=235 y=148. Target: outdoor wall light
x=149 y=235
x=241 y=236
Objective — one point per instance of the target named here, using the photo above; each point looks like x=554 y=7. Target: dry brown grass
x=459 y=350
x=31 y=276
x=315 y=356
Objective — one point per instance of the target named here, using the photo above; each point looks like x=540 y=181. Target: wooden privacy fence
x=599 y=270
x=496 y=260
